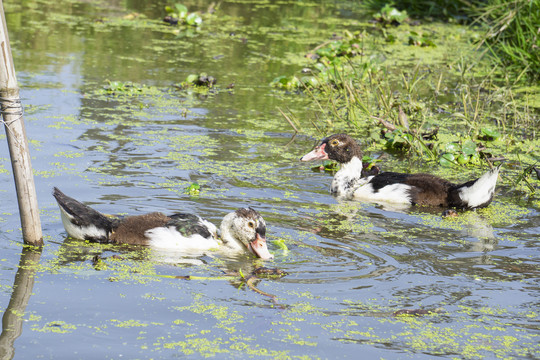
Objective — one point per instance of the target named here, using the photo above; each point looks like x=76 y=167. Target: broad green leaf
x=463 y=159
x=451 y=148
x=182 y=10
x=447 y=160
x=494 y=134
x=193 y=19
x=280 y=243
x=469 y=147
x=192 y=78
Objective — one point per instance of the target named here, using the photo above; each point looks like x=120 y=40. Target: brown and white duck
x=241 y=230
x=415 y=189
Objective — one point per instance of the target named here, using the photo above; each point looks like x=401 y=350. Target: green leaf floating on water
x=193 y=189
x=193 y=19
x=490 y=134
x=468 y=147
x=192 y=78
x=311 y=81
x=463 y=159
x=280 y=243
x=451 y=148
x=181 y=10
x=327 y=165
x=447 y=159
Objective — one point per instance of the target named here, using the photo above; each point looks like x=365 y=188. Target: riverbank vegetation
x=510 y=27
x=417 y=84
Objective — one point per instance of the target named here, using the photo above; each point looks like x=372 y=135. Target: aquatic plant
x=193 y=189
x=389 y=15
x=287 y=82
x=417 y=39
x=511 y=27
x=401 y=112
x=527 y=176
x=280 y=243
x=202 y=79
x=424 y=8
x=122 y=88
x=331 y=61
x=179 y=15
x=348 y=46
x=460 y=153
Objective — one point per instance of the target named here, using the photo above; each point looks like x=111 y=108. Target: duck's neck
x=346 y=178
x=229 y=241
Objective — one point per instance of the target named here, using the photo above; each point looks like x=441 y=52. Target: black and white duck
x=241 y=230
x=415 y=189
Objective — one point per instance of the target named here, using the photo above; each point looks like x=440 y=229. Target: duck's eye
x=251 y=224
x=334 y=142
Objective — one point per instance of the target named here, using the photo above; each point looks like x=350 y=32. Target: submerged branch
x=235 y=276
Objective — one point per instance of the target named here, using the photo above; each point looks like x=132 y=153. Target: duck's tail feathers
x=475 y=193
x=81 y=221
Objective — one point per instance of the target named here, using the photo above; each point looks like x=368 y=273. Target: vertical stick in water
x=11 y=109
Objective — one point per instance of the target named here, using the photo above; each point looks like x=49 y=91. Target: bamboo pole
x=12 y=115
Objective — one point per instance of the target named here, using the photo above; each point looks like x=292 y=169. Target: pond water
x=350 y=266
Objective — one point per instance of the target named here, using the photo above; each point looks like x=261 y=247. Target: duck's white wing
x=185 y=232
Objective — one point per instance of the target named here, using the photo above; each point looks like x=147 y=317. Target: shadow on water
x=12 y=321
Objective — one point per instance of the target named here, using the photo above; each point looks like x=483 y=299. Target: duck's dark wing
x=184 y=232
x=190 y=224
x=381 y=180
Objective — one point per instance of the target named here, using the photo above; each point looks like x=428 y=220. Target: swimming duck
x=241 y=230
x=415 y=189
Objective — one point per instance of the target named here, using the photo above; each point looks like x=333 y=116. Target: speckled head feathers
x=247 y=228
x=255 y=218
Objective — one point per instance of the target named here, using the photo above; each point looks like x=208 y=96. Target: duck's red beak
x=258 y=248
x=317 y=154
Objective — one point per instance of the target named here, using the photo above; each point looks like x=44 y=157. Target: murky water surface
x=350 y=265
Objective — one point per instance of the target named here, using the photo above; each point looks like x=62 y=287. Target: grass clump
x=513 y=34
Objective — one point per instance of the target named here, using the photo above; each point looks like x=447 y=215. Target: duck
x=393 y=187
x=243 y=230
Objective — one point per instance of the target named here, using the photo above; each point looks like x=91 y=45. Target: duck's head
x=339 y=147
x=245 y=228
